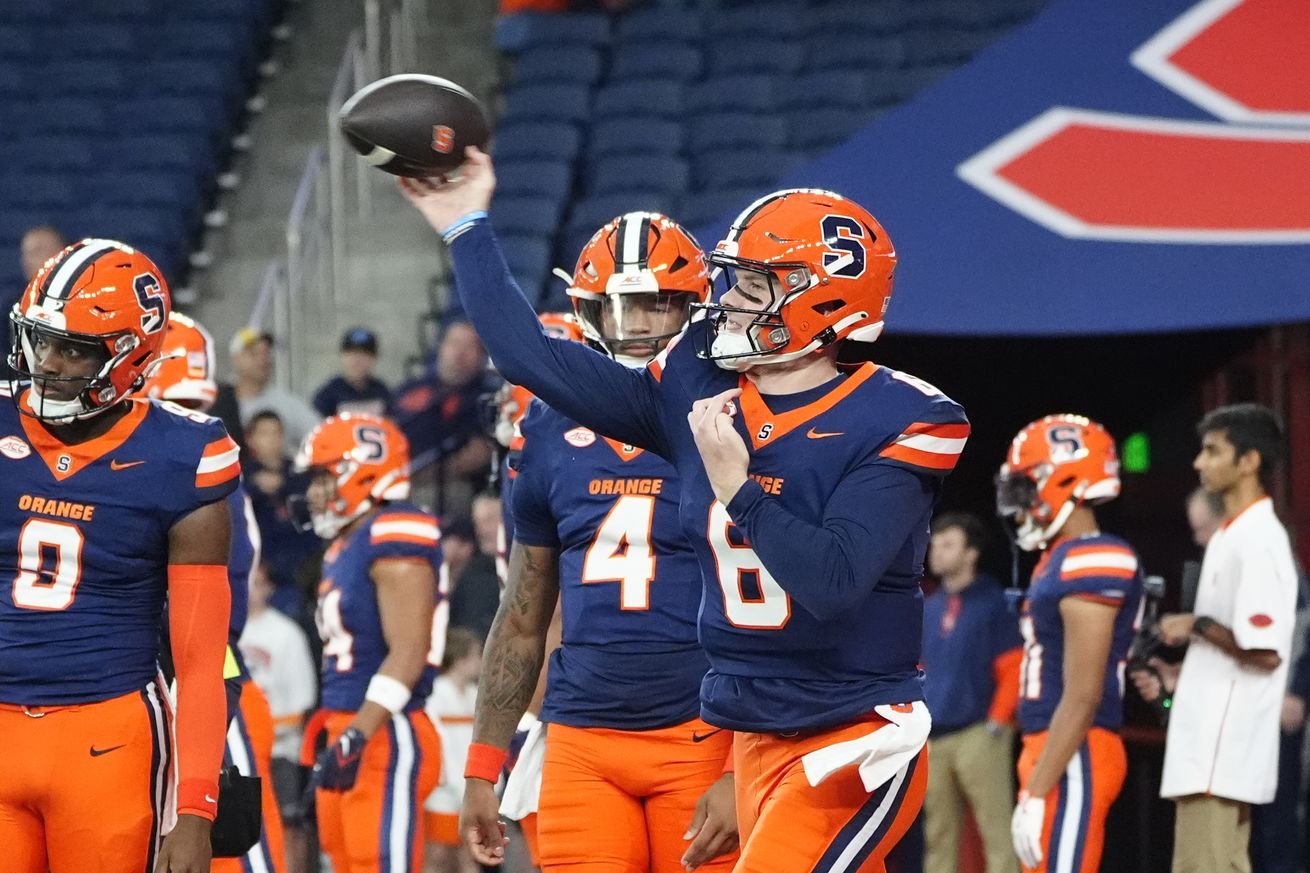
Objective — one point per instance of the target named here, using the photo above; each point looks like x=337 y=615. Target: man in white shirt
x=1221 y=754
x=252 y=360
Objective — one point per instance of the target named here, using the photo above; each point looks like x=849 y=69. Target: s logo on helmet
x=843 y=235
x=372 y=442
x=150 y=297
x=1066 y=442
x=443 y=139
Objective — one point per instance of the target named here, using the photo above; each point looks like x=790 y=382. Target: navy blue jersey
x=243 y=555
x=348 y=618
x=1100 y=568
x=630 y=583
x=812 y=612
x=84 y=539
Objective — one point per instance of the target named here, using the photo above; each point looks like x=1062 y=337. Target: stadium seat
x=29 y=11
x=167 y=113
x=780 y=56
x=756 y=19
x=67 y=153
x=15 y=80
x=660 y=23
x=636 y=135
x=526 y=30
x=738 y=168
x=174 y=189
x=117 y=9
x=942 y=46
x=528 y=258
x=524 y=214
x=591 y=213
x=659 y=173
x=84 y=77
x=72 y=115
x=47 y=190
x=570 y=63
x=811 y=129
x=719 y=131
x=540 y=178
x=669 y=61
x=850 y=50
x=758 y=93
x=640 y=97
x=209 y=40
x=549 y=103
x=831 y=87
x=536 y=139
x=99 y=40
x=17 y=43
x=719 y=205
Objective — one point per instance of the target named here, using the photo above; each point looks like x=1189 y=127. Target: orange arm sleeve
x=199 y=602
x=1005 y=670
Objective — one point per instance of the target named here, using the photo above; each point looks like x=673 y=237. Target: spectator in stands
x=440 y=414
x=451 y=708
x=1205 y=514
x=355 y=388
x=40 y=244
x=471 y=573
x=252 y=359
x=488 y=512
x=277 y=654
x=266 y=467
x=971 y=654
x=1222 y=757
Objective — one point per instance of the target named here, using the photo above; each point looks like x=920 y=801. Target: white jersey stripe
x=57 y=285
x=401 y=802
x=1074 y=790
x=928 y=443
x=409 y=528
x=219 y=462
x=239 y=752
x=886 y=807
x=1089 y=560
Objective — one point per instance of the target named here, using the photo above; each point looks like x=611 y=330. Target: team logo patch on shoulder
x=580 y=437
x=15 y=448
x=1261 y=620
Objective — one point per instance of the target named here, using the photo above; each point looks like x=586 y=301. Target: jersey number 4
x=41 y=543
x=621 y=551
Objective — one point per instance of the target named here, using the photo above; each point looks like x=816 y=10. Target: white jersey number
x=337 y=641
x=54 y=589
x=771 y=608
x=620 y=551
x=1030 y=675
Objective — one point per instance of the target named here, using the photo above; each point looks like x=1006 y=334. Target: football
x=414 y=125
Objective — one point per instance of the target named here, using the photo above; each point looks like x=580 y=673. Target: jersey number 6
x=54 y=590
x=767 y=607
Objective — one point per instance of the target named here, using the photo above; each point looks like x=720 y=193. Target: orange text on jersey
x=625 y=486
x=770 y=484
x=61 y=508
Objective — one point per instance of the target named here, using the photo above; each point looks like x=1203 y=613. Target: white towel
x=523 y=788
x=880 y=754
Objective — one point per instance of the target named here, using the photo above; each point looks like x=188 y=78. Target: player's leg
x=528 y=827
x=680 y=771
x=983 y=771
x=586 y=822
x=837 y=825
x=107 y=799
x=25 y=768
x=329 y=806
x=250 y=750
x=943 y=806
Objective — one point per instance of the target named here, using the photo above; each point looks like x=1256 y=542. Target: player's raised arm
x=597 y=391
x=199 y=603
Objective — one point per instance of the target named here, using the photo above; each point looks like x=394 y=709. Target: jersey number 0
x=55 y=589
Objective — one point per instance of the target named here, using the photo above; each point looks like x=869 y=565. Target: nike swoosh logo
x=700 y=738
x=123 y=465
x=96 y=753
x=209 y=799
x=817 y=435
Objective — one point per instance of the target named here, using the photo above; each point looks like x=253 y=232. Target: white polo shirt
x=1223 y=728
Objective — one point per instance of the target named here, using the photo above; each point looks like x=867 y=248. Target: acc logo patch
x=1261 y=620
x=580 y=437
x=13 y=447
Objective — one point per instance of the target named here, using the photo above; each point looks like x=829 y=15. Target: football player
x=108 y=504
x=383 y=624
x=629 y=767
x=184 y=374
x=1079 y=617
x=806 y=490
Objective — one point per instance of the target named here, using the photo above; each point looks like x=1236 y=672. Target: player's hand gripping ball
x=337 y=766
x=414 y=125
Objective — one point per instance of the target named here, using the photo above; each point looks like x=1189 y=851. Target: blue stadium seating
x=70 y=115
x=846 y=50
x=518 y=33
x=101 y=77
x=70 y=154
x=740 y=167
x=528 y=258
x=90 y=41
x=52 y=190
x=832 y=88
x=640 y=97
x=541 y=178
x=569 y=63
x=766 y=19
x=758 y=93
x=17 y=43
x=662 y=174
x=636 y=135
x=711 y=206
x=536 y=139
x=777 y=55
x=737 y=129
x=660 y=23
x=671 y=61
x=526 y=214
x=818 y=128
x=549 y=103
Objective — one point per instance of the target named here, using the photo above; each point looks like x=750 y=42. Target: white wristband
x=388 y=693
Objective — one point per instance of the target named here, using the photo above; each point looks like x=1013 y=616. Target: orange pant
x=619 y=801
x=250 y=750
x=82 y=787
x=789 y=826
x=441 y=828
x=1073 y=833
x=528 y=824
x=376 y=827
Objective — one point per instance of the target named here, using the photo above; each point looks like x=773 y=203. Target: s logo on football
x=580 y=437
x=443 y=139
x=15 y=448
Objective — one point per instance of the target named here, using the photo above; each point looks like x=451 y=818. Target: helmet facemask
x=95 y=392
x=634 y=318
x=745 y=336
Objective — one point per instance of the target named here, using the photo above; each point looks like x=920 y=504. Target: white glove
x=1026 y=829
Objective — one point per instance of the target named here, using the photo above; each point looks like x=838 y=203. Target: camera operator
x=1221 y=753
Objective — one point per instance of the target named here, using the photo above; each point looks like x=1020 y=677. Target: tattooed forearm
x=516 y=646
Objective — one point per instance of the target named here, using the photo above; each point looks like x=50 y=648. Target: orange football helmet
x=367 y=459
x=102 y=299
x=184 y=370
x=829 y=267
x=512 y=400
x=635 y=283
x=1054 y=465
